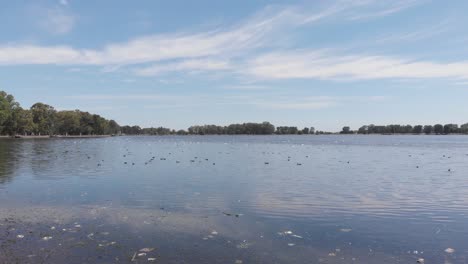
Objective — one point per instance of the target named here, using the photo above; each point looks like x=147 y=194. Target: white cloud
x=259 y=31
x=216 y=50
x=153 y=48
x=197 y=65
x=370 y=9
x=305 y=64
x=30 y=54
x=63 y=2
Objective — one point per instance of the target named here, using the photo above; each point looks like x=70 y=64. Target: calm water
x=235 y=199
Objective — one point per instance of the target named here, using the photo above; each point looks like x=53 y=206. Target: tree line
x=43 y=119
x=264 y=128
x=437 y=129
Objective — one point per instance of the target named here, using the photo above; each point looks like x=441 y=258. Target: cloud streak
x=261 y=30
x=196 y=65
x=233 y=49
x=311 y=64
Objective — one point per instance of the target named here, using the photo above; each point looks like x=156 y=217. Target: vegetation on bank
x=264 y=128
x=43 y=119
x=437 y=129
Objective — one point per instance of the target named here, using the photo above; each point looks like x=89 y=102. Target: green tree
x=8 y=108
x=450 y=128
x=346 y=130
x=114 y=128
x=19 y=122
x=363 y=130
x=68 y=122
x=428 y=129
x=439 y=129
x=44 y=118
x=464 y=128
x=418 y=129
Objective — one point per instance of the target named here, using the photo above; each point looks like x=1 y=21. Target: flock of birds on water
x=206 y=159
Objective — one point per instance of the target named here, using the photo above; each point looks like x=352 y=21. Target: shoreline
x=53 y=137
x=105 y=136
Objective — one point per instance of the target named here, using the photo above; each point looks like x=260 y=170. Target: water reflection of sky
x=392 y=195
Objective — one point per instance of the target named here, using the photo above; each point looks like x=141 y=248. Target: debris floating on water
x=20 y=236
x=146 y=250
x=46 y=238
x=243 y=245
x=346 y=230
x=420 y=260
x=449 y=250
x=151 y=259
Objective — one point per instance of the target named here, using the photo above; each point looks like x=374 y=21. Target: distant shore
x=52 y=137
x=105 y=136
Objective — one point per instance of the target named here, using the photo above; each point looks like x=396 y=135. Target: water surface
x=235 y=199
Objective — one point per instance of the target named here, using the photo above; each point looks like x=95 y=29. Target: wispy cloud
x=261 y=30
x=306 y=64
x=197 y=65
x=370 y=9
x=56 y=20
x=285 y=102
x=427 y=32
x=153 y=48
x=246 y=87
x=234 y=49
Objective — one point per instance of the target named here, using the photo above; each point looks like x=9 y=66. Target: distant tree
x=181 y=132
x=24 y=122
x=450 y=128
x=8 y=108
x=68 y=122
x=114 y=128
x=428 y=129
x=464 y=128
x=346 y=130
x=305 y=130
x=363 y=130
x=44 y=118
x=418 y=129
x=439 y=129
x=408 y=129
x=312 y=130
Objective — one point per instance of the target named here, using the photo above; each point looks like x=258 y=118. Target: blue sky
x=177 y=63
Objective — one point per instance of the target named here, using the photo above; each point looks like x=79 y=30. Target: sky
x=325 y=64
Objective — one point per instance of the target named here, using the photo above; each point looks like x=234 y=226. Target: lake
x=235 y=199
